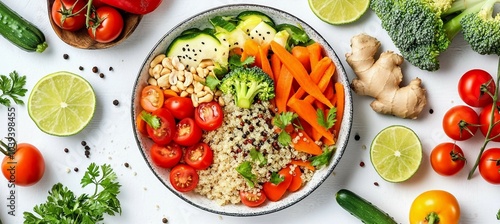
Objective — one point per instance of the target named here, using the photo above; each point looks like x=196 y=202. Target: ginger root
x=380 y=78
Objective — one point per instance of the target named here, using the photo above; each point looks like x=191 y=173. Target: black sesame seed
x=126 y=165
x=431 y=111
x=376 y=184
x=65 y=56
x=110 y=68
x=357 y=137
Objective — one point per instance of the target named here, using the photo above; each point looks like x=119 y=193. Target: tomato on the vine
x=69 y=14
x=209 y=116
x=447 y=159
x=180 y=107
x=484 y=121
x=187 y=132
x=161 y=125
x=184 y=178
x=25 y=167
x=151 y=98
x=489 y=165
x=199 y=156
x=106 y=24
x=251 y=199
x=476 y=88
x=435 y=206
x=460 y=122
x=166 y=156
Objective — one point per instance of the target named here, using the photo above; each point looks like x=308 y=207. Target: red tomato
x=151 y=98
x=460 y=122
x=25 y=167
x=489 y=165
x=69 y=14
x=199 y=156
x=97 y=3
x=187 y=132
x=447 y=159
x=183 y=178
x=164 y=133
x=166 y=156
x=252 y=199
x=106 y=25
x=180 y=107
x=209 y=116
x=476 y=88
x=484 y=120
x=275 y=192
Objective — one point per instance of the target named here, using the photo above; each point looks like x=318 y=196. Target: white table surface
x=145 y=200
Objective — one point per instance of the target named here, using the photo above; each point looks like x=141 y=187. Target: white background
x=145 y=200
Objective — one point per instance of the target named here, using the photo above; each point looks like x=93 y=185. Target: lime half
x=62 y=103
x=338 y=12
x=396 y=153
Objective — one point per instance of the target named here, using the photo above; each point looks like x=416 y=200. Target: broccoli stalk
x=246 y=84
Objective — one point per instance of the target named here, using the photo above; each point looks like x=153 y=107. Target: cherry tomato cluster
x=176 y=128
x=476 y=88
x=105 y=22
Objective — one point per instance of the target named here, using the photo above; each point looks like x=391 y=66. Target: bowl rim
x=346 y=122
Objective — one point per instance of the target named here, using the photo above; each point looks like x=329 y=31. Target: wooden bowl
x=81 y=39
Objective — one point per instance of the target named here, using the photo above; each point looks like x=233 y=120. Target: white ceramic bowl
x=201 y=20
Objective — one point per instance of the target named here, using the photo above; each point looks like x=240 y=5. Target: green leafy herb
x=323 y=159
x=258 y=157
x=63 y=206
x=212 y=82
x=235 y=61
x=282 y=121
x=245 y=170
x=276 y=178
x=151 y=120
x=330 y=119
x=284 y=138
x=12 y=87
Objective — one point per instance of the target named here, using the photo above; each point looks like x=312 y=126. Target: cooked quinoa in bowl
x=247 y=142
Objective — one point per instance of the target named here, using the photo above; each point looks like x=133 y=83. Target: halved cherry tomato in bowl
x=252 y=199
x=199 y=156
x=166 y=156
x=187 y=132
x=106 y=25
x=183 y=178
x=161 y=125
x=209 y=116
x=180 y=107
x=152 y=98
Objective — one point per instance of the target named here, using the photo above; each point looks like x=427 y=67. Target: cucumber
x=362 y=209
x=249 y=14
x=19 y=31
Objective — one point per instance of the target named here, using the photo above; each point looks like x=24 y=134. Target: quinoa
x=241 y=131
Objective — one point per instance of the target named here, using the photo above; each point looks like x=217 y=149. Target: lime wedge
x=62 y=103
x=338 y=12
x=396 y=153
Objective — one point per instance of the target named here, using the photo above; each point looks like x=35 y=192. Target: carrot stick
x=169 y=93
x=339 y=88
x=301 y=53
x=307 y=112
x=283 y=89
x=296 y=180
x=251 y=48
x=299 y=73
x=316 y=75
x=315 y=53
x=303 y=163
x=329 y=91
x=305 y=143
x=276 y=66
x=266 y=65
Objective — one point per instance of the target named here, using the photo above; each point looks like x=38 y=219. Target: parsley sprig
x=330 y=118
x=12 y=88
x=63 y=206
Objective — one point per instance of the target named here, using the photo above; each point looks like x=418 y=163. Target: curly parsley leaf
x=258 y=157
x=63 y=206
x=245 y=170
x=12 y=88
x=330 y=119
x=323 y=159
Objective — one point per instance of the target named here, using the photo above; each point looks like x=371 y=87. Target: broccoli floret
x=481 y=30
x=247 y=83
x=423 y=29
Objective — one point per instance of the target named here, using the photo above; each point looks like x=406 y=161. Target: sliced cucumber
x=263 y=33
x=233 y=39
x=252 y=14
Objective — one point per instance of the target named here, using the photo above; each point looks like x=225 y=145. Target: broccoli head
x=245 y=84
x=482 y=30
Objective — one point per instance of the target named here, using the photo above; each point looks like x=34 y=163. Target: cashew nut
x=188 y=78
x=205 y=99
x=172 y=78
x=157 y=60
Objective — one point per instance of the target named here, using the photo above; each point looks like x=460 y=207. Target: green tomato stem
x=6 y=150
x=87 y=17
x=432 y=218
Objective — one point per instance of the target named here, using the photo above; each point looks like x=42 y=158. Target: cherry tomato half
x=275 y=192
x=180 y=107
x=209 y=116
x=184 y=178
x=26 y=167
x=476 y=88
x=151 y=98
x=164 y=133
x=460 y=122
x=484 y=120
x=69 y=14
x=187 y=132
x=252 y=199
x=199 y=156
x=166 y=156
x=489 y=165
x=436 y=205
x=447 y=159
x=108 y=25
